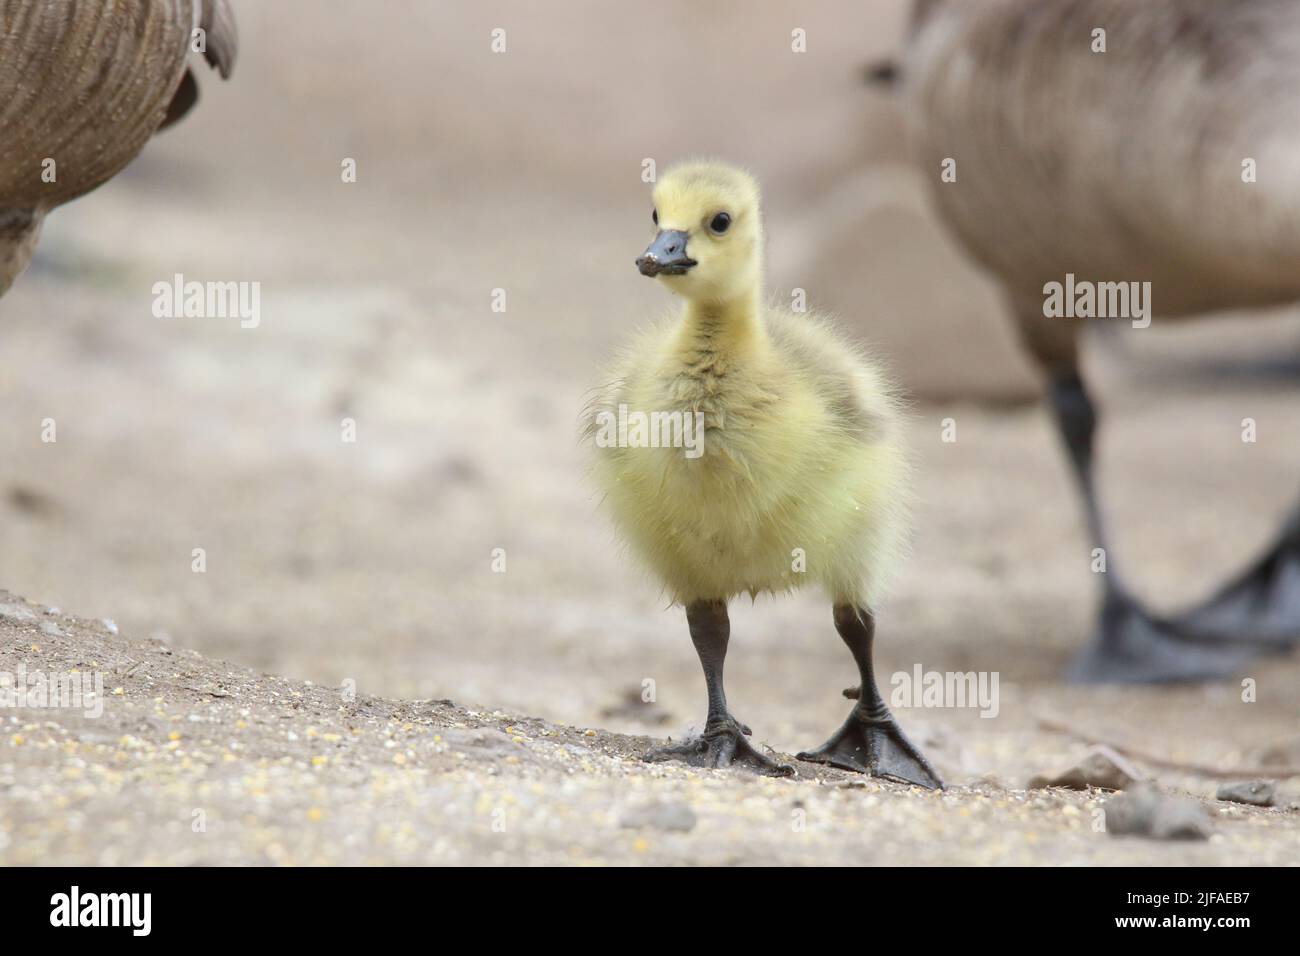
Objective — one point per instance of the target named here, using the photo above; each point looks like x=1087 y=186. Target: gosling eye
x=720 y=224
x=654 y=216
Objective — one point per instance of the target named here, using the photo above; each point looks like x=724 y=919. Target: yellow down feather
x=802 y=475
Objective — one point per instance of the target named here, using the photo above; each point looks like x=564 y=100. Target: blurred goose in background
x=83 y=86
x=796 y=474
x=1113 y=167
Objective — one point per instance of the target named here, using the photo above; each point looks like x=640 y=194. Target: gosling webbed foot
x=1133 y=646
x=722 y=745
x=876 y=745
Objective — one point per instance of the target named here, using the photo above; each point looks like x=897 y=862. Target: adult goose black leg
x=723 y=742
x=870 y=740
x=1132 y=644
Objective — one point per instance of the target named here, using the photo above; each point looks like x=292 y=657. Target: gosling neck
x=731 y=325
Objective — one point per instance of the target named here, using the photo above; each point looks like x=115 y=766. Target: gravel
x=194 y=761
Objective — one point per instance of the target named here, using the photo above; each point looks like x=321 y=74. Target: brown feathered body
x=1122 y=165
x=83 y=86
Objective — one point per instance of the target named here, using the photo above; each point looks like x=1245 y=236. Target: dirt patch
x=197 y=761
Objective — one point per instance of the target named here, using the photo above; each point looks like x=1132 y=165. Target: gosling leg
x=871 y=741
x=723 y=742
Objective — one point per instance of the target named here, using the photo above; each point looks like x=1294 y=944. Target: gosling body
x=801 y=476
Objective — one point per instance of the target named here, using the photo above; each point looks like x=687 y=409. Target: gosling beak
x=666 y=255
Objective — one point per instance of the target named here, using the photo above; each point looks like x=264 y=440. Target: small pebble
x=1102 y=767
x=16 y=612
x=1145 y=811
x=1256 y=793
x=670 y=816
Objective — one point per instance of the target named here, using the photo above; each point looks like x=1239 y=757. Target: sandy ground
x=193 y=761
x=373 y=570
x=368 y=564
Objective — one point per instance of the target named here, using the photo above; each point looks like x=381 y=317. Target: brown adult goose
x=1087 y=165
x=83 y=85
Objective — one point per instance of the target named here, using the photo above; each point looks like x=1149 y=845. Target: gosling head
x=709 y=243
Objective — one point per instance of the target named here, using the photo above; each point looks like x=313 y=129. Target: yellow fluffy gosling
x=745 y=448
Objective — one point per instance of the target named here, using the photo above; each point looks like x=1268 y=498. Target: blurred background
x=522 y=171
